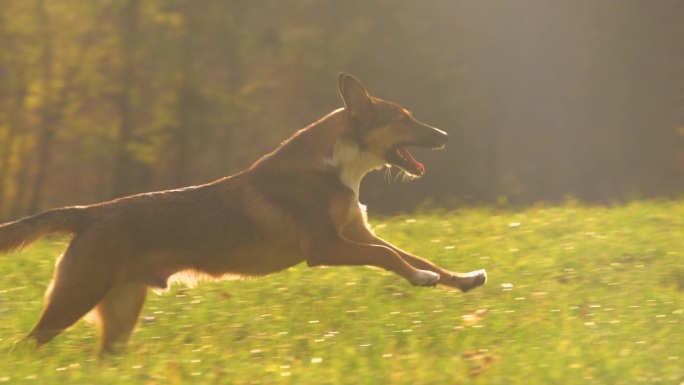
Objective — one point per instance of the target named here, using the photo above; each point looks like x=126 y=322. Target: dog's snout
x=444 y=135
x=439 y=137
x=430 y=136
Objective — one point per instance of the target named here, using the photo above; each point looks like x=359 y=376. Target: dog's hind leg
x=117 y=314
x=82 y=278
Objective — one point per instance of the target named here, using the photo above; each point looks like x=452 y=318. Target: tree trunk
x=46 y=131
x=6 y=109
x=15 y=108
x=123 y=183
x=185 y=97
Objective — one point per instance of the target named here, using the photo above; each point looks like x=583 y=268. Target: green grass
x=576 y=295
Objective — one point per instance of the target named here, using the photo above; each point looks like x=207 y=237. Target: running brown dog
x=298 y=203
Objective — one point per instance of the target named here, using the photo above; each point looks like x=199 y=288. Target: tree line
x=542 y=100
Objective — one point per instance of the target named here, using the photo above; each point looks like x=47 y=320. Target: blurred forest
x=542 y=99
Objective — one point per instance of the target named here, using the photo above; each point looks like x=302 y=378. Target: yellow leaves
x=171 y=19
x=680 y=131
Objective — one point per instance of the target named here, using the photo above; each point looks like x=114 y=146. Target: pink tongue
x=407 y=155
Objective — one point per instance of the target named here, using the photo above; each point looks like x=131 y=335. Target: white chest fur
x=354 y=164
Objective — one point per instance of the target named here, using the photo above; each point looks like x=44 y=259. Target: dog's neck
x=353 y=163
x=324 y=141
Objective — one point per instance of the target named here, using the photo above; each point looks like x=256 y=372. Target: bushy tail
x=23 y=232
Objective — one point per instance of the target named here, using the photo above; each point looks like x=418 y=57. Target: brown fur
x=299 y=203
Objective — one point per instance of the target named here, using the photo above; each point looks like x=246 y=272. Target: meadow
x=576 y=295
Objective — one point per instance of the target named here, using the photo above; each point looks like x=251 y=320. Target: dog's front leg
x=461 y=281
x=358 y=232
x=342 y=252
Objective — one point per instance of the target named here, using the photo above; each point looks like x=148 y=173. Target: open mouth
x=399 y=156
x=408 y=163
x=425 y=137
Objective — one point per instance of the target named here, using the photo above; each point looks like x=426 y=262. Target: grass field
x=576 y=295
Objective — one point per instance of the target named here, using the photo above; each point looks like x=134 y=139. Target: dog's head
x=385 y=129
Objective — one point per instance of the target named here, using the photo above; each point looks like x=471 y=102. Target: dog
x=300 y=203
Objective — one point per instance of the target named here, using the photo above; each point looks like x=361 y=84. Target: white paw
x=425 y=278
x=477 y=273
x=471 y=280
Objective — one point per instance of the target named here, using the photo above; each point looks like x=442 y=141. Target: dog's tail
x=23 y=232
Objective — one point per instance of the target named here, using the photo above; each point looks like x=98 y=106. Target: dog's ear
x=356 y=98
